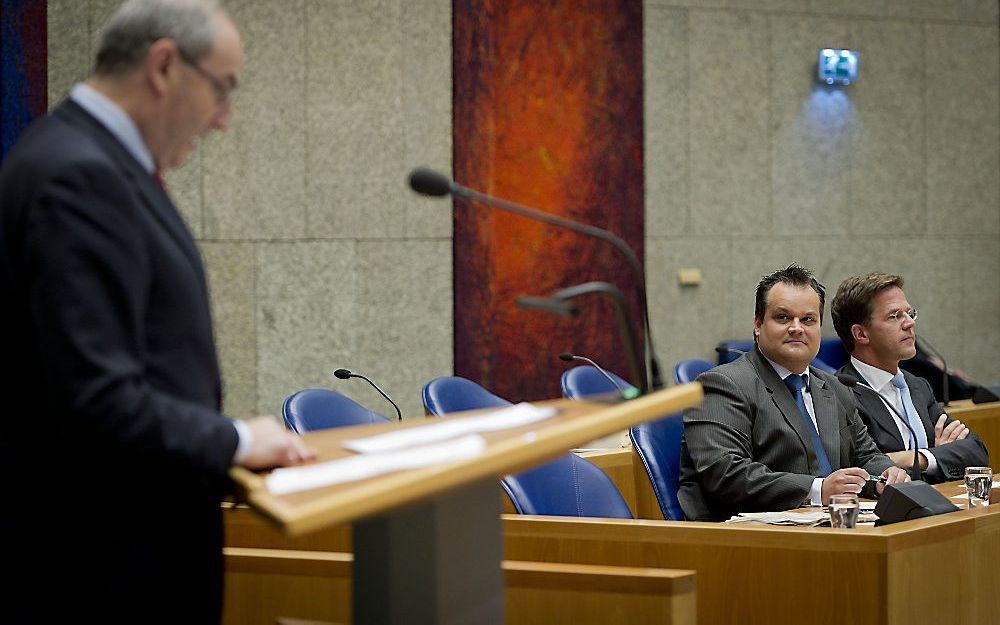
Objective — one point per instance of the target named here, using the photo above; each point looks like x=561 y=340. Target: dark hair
x=794 y=274
x=853 y=302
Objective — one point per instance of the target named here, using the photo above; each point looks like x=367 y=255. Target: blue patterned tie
x=795 y=383
x=910 y=411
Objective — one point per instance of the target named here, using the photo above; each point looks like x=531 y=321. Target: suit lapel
x=874 y=407
x=153 y=197
x=785 y=403
x=825 y=409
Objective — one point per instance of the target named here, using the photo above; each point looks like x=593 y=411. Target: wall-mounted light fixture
x=837 y=66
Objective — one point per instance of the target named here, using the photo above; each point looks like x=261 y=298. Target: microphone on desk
x=346 y=374
x=568 y=357
x=852 y=382
x=429 y=182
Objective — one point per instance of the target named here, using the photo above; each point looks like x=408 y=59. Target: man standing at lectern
x=878 y=328
x=773 y=433
x=114 y=454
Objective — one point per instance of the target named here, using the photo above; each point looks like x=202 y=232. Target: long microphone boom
x=944 y=366
x=429 y=182
x=346 y=374
x=850 y=381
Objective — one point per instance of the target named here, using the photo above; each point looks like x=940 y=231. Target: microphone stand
x=442 y=185
x=853 y=382
x=624 y=326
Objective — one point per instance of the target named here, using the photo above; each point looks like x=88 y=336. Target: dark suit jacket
x=111 y=424
x=747 y=447
x=951 y=458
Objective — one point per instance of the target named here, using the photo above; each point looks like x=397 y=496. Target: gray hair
x=126 y=37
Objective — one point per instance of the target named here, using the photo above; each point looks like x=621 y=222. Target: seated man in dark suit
x=877 y=326
x=753 y=444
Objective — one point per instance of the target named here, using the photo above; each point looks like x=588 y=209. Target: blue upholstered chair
x=569 y=486
x=658 y=444
x=831 y=349
x=585 y=380
x=454 y=394
x=318 y=409
x=687 y=370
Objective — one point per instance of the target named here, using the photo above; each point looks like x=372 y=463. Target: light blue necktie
x=795 y=384
x=910 y=411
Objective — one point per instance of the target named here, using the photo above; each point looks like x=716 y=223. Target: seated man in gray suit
x=877 y=326
x=753 y=444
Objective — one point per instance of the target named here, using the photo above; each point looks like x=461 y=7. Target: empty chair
x=318 y=409
x=569 y=486
x=454 y=394
x=585 y=380
x=658 y=444
x=688 y=370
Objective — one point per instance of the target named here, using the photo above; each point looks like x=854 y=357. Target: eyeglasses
x=900 y=316
x=223 y=93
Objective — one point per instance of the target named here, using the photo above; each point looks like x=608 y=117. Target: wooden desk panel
x=265 y=584
x=984 y=420
x=943 y=569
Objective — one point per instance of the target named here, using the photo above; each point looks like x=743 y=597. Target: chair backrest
x=658 y=444
x=318 y=409
x=687 y=370
x=454 y=394
x=585 y=380
x=829 y=348
x=568 y=486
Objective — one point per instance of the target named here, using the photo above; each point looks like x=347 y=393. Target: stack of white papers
x=409 y=448
x=782 y=518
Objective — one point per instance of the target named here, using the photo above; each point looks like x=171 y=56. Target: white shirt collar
x=877 y=378
x=116 y=120
x=784 y=373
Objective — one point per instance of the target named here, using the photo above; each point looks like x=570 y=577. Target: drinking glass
x=844 y=510
x=979 y=481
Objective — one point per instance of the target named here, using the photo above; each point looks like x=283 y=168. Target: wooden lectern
x=428 y=541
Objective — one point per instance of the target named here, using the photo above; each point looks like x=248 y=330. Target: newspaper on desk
x=811 y=518
x=807 y=519
x=409 y=448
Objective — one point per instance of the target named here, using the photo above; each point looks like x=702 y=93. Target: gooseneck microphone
x=568 y=357
x=346 y=374
x=850 y=381
x=429 y=182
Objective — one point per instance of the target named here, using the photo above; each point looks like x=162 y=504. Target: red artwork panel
x=547 y=113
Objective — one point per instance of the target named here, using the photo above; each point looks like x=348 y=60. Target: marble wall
x=751 y=165
x=319 y=257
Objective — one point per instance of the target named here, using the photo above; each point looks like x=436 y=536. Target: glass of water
x=979 y=481
x=844 y=510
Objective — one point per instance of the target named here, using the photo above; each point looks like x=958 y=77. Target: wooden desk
x=263 y=585
x=984 y=420
x=942 y=569
x=427 y=541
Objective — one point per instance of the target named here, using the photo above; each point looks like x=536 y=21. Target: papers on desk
x=810 y=518
x=353 y=468
x=503 y=419
x=409 y=448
